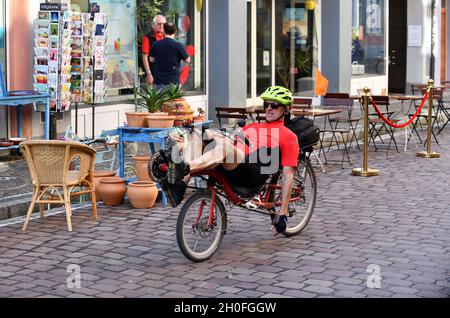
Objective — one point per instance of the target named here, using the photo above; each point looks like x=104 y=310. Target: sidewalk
x=395 y=227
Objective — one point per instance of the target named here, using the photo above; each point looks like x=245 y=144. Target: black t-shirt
x=168 y=55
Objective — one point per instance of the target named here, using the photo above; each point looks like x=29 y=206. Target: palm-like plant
x=152 y=99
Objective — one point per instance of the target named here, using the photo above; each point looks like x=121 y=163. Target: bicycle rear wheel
x=300 y=211
x=198 y=241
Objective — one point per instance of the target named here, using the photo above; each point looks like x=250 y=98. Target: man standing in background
x=155 y=35
x=167 y=55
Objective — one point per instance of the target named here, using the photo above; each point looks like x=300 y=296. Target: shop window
x=368 y=38
x=296 y=48
x=129 y=21
x=190 y=18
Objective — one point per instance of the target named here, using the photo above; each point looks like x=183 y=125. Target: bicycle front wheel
x=198 y=240
x=304 y=187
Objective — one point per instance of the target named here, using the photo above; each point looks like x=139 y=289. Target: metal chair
x=377 y=125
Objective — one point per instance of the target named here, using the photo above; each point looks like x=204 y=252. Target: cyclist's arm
x=288 y=177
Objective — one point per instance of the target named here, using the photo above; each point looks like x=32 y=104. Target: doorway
x=259 y=48
x=397 y=46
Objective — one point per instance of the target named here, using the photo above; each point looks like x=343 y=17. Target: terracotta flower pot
x=199 y=119
x=160 y=121
x=142 y=194
x=176 y=105
x=141 y=164
x=135 y=119
x=112 y=190
x=101 y=174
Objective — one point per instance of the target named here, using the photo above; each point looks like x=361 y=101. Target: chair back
x=3 y=91
x=438 y=93
x=338 y=100
x=58 y=163
x=231 y=113
x=302 y=103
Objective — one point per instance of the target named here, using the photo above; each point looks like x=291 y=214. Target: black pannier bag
x=308 y=135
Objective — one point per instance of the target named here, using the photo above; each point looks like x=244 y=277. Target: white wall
x=448 y=41
x=418 y=58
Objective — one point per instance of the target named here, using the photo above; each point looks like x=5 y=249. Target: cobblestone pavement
x=398 y=223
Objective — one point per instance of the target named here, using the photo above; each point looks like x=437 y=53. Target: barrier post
x=429 y=153
x=366 y=171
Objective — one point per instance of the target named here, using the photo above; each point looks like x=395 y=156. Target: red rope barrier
x=387 y=121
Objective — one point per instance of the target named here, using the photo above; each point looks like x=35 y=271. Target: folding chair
x=301 y=104
x=343 y=100
x=438 y=95
x=377 y=125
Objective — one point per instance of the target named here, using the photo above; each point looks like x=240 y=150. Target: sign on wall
x=415 y=35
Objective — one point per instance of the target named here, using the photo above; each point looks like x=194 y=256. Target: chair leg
x=42 y=210
x=31 y=208
x=319 y=161
x=94 y=205
x=68 y=209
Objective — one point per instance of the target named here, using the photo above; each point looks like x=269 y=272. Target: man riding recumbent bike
x=259 y=167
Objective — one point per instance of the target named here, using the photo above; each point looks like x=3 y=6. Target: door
x=259 y=48
x=397 y=46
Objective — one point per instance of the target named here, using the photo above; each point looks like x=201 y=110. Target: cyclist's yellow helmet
x=279 y=94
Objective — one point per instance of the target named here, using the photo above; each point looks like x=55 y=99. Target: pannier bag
x=307 y=134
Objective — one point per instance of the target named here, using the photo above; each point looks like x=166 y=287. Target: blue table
x=20 y=100
x=147 y=135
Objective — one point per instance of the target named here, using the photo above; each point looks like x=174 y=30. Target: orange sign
x=321 y=84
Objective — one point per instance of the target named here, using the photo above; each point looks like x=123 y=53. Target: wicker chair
x=59 y=170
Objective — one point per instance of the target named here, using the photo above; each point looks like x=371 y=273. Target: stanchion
x=366 y=171
x=429 y=153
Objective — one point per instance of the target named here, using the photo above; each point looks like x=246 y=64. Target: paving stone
x=407 y=236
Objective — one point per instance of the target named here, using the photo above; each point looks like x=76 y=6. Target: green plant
x=152 y=99
x=201 y=111
x=174 y=92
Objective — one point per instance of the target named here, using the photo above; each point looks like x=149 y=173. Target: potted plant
x=175 y=100
x=135 y=119
x=152 y=100
x=200 y=117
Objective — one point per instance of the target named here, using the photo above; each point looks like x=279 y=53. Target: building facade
x=243 y=46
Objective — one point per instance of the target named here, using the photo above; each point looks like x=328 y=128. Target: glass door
x=259 y=48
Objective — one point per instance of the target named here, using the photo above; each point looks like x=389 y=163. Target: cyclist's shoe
x=174 y=192
x=279 y=223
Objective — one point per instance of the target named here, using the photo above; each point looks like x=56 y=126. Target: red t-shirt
x=146 y=46
x=272 y=135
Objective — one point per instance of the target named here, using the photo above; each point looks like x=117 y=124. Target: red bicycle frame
x=231 y=195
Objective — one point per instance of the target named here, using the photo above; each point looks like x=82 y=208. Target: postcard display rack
x=52 y=58
x=70 y=59
x=89 y=58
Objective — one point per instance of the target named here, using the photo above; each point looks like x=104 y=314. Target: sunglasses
x=273 y=105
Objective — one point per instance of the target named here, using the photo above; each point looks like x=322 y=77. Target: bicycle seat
x=245 y=192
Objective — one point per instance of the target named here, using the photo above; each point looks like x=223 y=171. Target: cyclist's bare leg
x=201 y=158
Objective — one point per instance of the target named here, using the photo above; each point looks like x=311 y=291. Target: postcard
x=41 y=42
x=44 y=24
x=54 y=17
x=41 y=60
x=41 y=69
x=41 y=33
x=53 y=42
x=40 y=79
x=53 y=80
x=54 y=29
x=41 y=52
x=53 y=54
x=41 y=88
x=44 y=15
x=99 y=29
